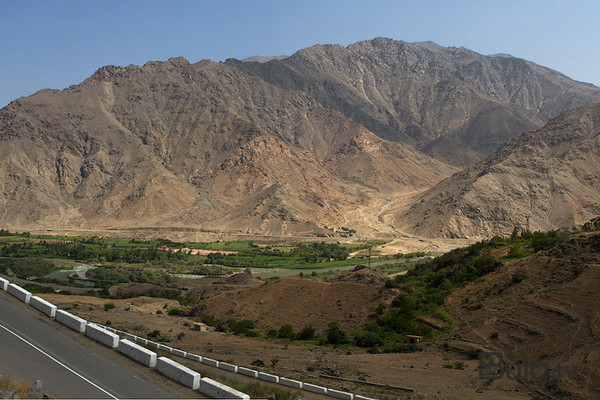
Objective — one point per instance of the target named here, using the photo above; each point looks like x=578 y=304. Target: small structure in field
x=199 y=326
x=413 y=339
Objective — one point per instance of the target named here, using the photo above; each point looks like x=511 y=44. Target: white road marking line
x=58 y=362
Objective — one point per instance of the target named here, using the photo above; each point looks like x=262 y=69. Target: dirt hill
x=361 y=274
x=298 y=301
x=543 y=307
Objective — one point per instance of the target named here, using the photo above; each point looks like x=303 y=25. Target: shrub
x=380 y=308
x=405 y=304
x=286 y=332
x=336 y=336
x=258 y=363
x=518 y=277
x=391 y=283
x=368 y=339
x=109 y=306
x=176 y=311
x=517 y=251
x=307 y=333
x=155 y=334
x=240 y=327
x=271 y=333
x=33 y=288
x=253 y=333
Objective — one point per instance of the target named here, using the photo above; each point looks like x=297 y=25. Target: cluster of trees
x=259 y=257
x=27 y=267
x=83 y=251
x=237 y=260
x=319 y=252
x=527 y=243
x=114 y=275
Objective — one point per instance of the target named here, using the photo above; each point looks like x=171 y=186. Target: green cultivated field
x=110 y=261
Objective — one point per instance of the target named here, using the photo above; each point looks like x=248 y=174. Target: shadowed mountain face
x=326 y=137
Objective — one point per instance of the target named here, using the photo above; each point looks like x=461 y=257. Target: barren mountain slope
x=451 y=102
x=203 y=145
x=549 y=314
x=330 y=136
x=550 y=176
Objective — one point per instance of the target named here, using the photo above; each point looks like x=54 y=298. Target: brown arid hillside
x=543 y=308
x=330 y=136
x=202 y=146
x=301 y=302
x=540 y=180
x=452 y=103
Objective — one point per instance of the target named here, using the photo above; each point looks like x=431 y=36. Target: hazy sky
x=55 y=44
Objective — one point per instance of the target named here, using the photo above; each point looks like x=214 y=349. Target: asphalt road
x=34 y=347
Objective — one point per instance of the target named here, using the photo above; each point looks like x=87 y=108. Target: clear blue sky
x=54 y=44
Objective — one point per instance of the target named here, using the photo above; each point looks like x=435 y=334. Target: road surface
x=70 y=365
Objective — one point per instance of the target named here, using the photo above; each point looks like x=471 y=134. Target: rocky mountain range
x=540 y=180
x=331 y=136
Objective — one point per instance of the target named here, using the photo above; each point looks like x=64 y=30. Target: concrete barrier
x=193 y=357
x=309 y=387
x=19 y=293
x=216 y=390
x=71 y=320
x=165 y=348
x=153 y=344
x=210 y=361
x=268 y=377
x=359 y=397
x=101 y=335
x=247 y=372
x=42 y=305
x=138 y=353
x=141 y=340
x=290 y=383
x=178 y=372
x=228 y=367
x=4 y=284
x=178 y=353
x=129 y=336
x=338 y=394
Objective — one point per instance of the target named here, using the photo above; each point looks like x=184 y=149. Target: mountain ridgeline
x=331 y=136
